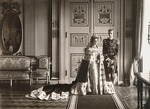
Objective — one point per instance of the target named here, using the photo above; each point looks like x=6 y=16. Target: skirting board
x=64 y=81
x=120 y=82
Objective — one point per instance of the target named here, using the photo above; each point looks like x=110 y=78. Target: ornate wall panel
x=79 y=14
x=78 y=39
x=104 y=13
x=75 y=61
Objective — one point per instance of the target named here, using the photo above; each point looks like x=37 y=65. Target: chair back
x=43 y=62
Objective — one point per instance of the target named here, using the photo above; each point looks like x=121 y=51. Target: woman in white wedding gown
x=90 y=79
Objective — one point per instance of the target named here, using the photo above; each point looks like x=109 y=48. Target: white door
x=85 y=18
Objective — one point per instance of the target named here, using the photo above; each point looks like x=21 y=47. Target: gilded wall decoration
x=78 y=39
x=79 y=14
x=104 y=14
x=75 y=61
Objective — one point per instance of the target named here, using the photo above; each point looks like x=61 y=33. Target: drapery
x=138 y=31
x=136 y=64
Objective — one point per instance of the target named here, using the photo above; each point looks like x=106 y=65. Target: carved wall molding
x=104 y=13
x=75 y=61
x=79 y=14
x=78 y=39
x=11 y=8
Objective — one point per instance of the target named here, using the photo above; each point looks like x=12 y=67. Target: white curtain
x=137 y=42
x=138 y=32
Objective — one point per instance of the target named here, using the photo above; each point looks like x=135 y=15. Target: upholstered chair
x=43 y=69
x=33 y=62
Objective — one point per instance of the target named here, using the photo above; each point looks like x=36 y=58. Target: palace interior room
x=58 y=31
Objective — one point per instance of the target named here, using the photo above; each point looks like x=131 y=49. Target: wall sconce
x=148 y=34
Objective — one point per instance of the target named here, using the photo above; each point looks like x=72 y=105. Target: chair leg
x=37 y=79
x=146 y=91
x=30 y=81
x=11 y=82
x=47 y=79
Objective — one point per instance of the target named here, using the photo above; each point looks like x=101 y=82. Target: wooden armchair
x=43 y=69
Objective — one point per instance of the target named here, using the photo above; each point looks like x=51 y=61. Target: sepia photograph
x=74 y=54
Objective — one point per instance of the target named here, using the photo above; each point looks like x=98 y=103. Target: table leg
x=141 y=94
x=147 y=105
x=138 y=92
x=148 y=91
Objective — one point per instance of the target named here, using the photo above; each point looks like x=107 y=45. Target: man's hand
x=109 y=60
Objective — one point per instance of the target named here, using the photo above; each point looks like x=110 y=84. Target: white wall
x=36 y=37
x=146 y=46
x=41 y=27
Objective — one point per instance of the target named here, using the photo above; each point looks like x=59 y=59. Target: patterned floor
x=15 y=99
x=18 y=101
x=129 y=96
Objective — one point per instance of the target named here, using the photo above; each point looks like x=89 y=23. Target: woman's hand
x=97 y=61
x=108 y=59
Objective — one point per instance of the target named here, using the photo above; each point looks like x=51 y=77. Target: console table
x=143 y=78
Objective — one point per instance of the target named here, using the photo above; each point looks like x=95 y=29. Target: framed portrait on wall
x=104 y=13
x=79 y=14
x=75 y=61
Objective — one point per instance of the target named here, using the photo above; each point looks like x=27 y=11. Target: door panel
x=85 y=18
x=77 y=30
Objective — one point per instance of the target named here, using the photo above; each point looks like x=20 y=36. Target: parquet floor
x=13 y=98
x=129 y=96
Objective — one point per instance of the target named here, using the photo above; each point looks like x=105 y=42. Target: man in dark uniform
x=110 y=50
